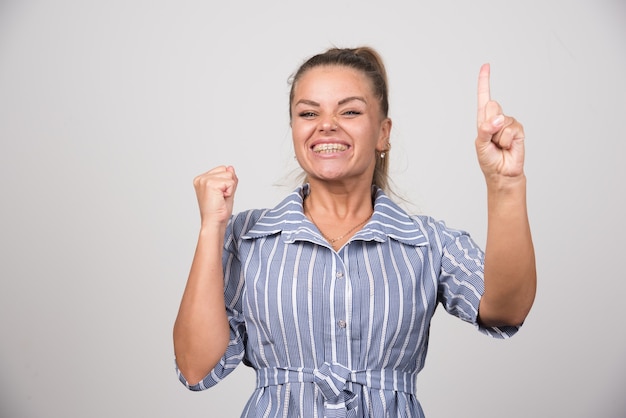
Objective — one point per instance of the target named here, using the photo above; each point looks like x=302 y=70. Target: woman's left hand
x=500 y=139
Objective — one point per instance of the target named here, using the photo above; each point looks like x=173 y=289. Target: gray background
x=108 y=110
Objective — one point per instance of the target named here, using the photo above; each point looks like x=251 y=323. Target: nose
x=328 y=124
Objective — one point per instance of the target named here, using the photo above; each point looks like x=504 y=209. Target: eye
x=307 y=115
x=352 y=113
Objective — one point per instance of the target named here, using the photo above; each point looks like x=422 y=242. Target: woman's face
x=337 y=125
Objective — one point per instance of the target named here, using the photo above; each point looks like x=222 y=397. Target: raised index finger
x=484 y=95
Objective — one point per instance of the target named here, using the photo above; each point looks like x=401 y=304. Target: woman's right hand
x=215 y=191
x=201 y=330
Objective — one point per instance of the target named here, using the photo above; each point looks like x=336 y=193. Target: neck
x=339 y=203
x=338 y=217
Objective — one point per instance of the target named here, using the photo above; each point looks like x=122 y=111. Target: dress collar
x=388 y=221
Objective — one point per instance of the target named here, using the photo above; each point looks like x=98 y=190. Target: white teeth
x=329 y=148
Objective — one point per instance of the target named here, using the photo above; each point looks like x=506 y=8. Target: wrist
x=212 y=229
x=500 y=184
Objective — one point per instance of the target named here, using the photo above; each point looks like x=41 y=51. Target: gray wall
x=109 y=109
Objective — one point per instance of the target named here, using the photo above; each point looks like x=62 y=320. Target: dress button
x=341 y=323
x=339 y=275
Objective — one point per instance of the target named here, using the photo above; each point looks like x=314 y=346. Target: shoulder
x=241 y=223
x=415 y=229
x=439 y=227
x=254 y=223
x=267 y=221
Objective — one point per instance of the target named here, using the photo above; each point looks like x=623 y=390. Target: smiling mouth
x=329 y=148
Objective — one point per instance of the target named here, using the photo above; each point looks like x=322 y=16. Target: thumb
x=230 y=190
x=492 y=123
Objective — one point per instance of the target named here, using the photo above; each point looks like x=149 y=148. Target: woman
x=329 y=295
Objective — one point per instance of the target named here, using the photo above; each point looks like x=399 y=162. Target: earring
x=382 y=154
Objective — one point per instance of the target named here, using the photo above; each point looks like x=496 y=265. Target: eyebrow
x=340 y=102
x=351 y=98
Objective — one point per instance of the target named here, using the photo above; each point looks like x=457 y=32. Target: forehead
x=334 y=80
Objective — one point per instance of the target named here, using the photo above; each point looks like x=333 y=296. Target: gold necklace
x=333 y=240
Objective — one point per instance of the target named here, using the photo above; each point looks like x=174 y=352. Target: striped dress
x=341 y=333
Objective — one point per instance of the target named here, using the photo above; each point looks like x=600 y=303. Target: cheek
x=369 y=134
x=300 y=132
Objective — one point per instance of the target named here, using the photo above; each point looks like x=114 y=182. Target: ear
x=385 y=133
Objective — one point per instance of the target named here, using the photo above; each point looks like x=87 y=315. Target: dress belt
x=335 y=382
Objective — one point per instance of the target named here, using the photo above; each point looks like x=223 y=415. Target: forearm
x=201 y=331
x=510 y=275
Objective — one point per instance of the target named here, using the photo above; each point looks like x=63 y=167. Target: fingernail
x=498 y=121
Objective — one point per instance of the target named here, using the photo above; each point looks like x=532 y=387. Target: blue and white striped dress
x=341 y=334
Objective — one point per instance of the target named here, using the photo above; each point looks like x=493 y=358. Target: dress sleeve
x=233 y=289
x=461 y=281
